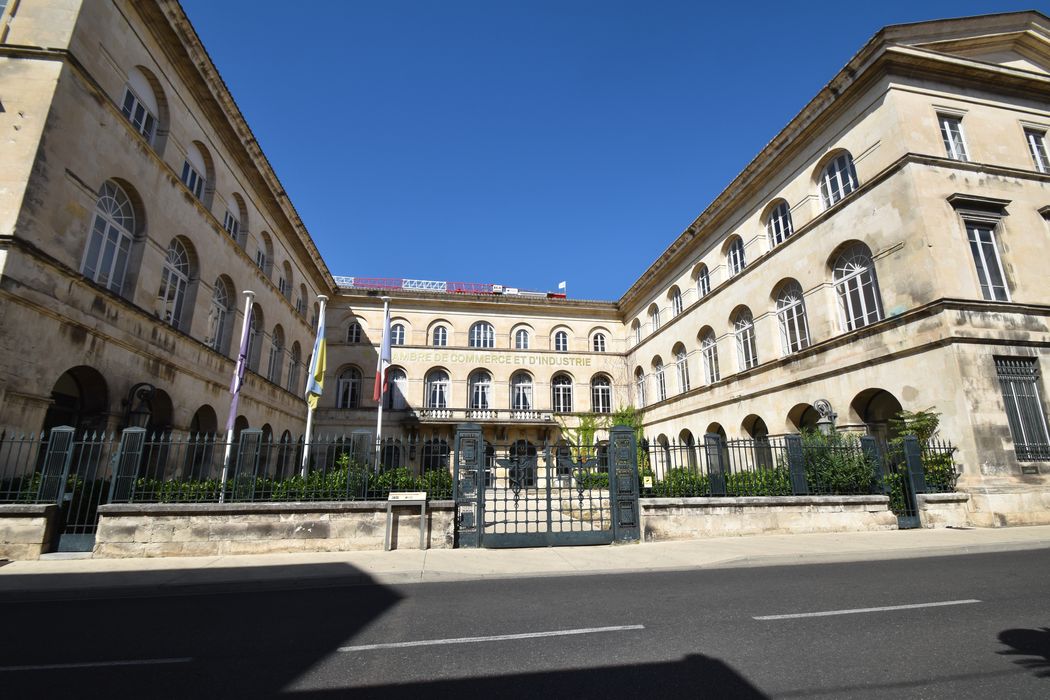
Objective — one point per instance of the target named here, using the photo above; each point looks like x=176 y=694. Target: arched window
x=174 y=281
x=194 y=169
x=273 y=368
x=654 y=318
x=838 y=179
x=857 y=288
x=636 y=331
x=437 y=389
x=676 y=302
x=353 y=333
x=703 y=282
x=231 y=220
x=746 y=348
x=109 y=244
x=218 y=314
x=264 y=253
x=709 y=355
x=791 y=313
x=778 y=224
x=601 y=394
x=480 y=383
x=521 y=339
x=561 y=341
x=255 y=338
x=396 y=398
x=348 y=389
x=482 y=335
x=140 y=105
x=735 y=260
x=300 y=302
x=639 y=384
x=521 y=392
x=661 y=380
x=681 y=363
x=397 y=334
x=598 y=342
x=561 y=393
x=439 y=337
x=294 y=361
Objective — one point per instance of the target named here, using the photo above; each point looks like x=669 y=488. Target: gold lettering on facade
x=489 y=358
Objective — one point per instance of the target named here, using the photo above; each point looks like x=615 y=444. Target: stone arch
x=204 y=422
x=80 y=399
x=802 y=416
x=874 y=407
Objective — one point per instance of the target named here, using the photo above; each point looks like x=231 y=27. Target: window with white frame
x=273 y=366
x=676 y=303
x=480 y=390
x=232 y=224
x=778 y=224
x=109 y=243
x=746 y=348
x=791 y=314
x=482 y=335
x=981 y=234
x=439 y=337
x=437 y=389
x=217 y=313
x=260 y=259
x=1019 y=382
x=735 y=260
x=857 y=288
x=709 y=355
x=174 y=279
x=703 y=282
x=294 y=362
x=255 y=337
x=397 y=396
x=952 y=135
x=300 y=306
x=598 y=342
x=348 y=389
x=681 y=361
x=601 y=394
x=1036 y=139
x=561 y=393
x=838 y=179
x=397 y=334
x=283 y=286
x=353 y=333
x=654 y=318
x=661 y=380
x=521 y=339
x=521 y=392
x=141 y=117
x=639 y=386
x=561 y=341
x=636 y=331
x=193 y=179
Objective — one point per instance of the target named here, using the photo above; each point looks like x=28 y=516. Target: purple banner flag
x=242 y=366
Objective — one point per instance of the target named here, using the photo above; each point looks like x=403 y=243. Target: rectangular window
x=192 y=179
x=952 y=133
x=231 y=224
x=981 y=235
x=1019 y=380
x=1037 y=147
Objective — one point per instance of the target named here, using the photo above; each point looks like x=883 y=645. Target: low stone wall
x=26 y=530
x=168 y=530
x=691 y=518
x=944 y=509
x=1005 y=506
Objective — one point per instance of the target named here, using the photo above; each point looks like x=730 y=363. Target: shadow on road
x=1033 y=644
x=250 y=632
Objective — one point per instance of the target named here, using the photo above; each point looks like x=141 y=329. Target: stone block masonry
x=207 y=529
x=26 y=530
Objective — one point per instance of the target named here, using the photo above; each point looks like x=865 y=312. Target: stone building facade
x=882 y=252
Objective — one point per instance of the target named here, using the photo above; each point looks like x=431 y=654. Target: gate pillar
x=913 y=457
x=623 y=484
x=54 y=476
x=469 y=459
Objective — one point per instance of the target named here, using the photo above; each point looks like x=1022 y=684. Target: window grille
x=1019 y=380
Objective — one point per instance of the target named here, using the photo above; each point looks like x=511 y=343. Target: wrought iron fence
x=812 y=463
x=135 y=467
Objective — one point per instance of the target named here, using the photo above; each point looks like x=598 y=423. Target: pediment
x=1025 y=50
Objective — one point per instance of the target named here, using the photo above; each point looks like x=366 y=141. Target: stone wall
x=691 y=518
x=163 y=530
x=26 y=530
x=1008 y=505
x=944 y=509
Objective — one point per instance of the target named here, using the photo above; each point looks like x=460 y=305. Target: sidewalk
x=87 y=577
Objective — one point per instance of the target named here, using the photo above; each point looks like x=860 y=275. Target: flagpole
x=238 y=372
x=322 y=300
x=382 y=378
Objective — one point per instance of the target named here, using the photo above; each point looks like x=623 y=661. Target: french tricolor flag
x=384 y=359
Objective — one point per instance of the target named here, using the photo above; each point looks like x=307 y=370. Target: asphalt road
x=656 y=635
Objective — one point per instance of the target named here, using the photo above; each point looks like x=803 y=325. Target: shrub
x=836 y=464
x=593 y=480
x=761 y=482
x=680 y=482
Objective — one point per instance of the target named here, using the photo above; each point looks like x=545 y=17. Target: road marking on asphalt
x=97 y=664
x=854 y=611
x=493 y=638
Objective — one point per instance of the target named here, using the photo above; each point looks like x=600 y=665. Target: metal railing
x=809 y=464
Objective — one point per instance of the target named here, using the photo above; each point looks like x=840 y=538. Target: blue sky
x=523 y=143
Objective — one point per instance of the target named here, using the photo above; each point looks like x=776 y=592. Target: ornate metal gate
x=524 y=495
